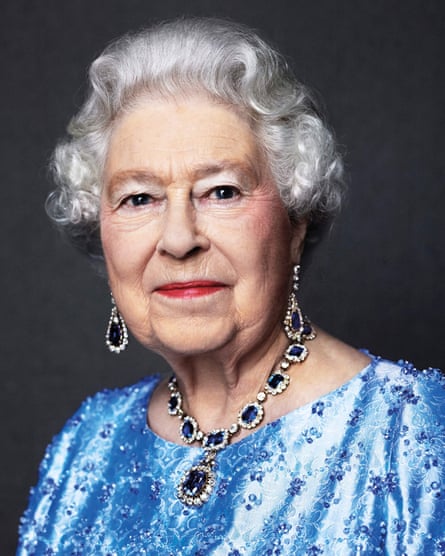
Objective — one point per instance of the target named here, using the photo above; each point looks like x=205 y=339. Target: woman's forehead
x=199 y=136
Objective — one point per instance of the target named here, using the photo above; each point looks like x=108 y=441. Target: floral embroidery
x=326 y=479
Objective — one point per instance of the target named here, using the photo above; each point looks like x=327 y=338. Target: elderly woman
x=196 y=168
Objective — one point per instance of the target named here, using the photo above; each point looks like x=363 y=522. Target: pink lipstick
x=195 y=288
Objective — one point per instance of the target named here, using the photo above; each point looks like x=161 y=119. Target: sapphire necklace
x=197 y=483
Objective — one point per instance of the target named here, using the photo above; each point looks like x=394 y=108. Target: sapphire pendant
x=197 y=484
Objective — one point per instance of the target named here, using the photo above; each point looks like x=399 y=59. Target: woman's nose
x=180 y=235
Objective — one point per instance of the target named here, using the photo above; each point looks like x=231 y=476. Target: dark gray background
x=376 y=282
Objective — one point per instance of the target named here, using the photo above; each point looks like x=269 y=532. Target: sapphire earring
x=116 y=336
x=297 y=327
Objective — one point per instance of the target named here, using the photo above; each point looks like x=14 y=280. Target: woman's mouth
x=195 y=288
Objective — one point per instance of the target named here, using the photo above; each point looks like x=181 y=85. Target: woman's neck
x=214 y=395
x=215 y=386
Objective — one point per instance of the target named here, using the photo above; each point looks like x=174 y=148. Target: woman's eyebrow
x=241 y=169
x=134 y=175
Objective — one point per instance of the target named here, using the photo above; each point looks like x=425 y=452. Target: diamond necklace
x=197 y=484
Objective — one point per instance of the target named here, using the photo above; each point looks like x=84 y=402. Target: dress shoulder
x=403 y=381
x=412 y=400
x=98 y=414
x=82 y=446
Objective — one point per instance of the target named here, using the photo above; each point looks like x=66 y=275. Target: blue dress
x=360 y=471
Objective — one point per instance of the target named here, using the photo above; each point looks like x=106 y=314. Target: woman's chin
x=188 y=336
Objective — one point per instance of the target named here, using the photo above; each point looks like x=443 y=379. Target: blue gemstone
x=187 y=429
x=249 y=414
x=307 y=329
x=296 y=323
x=275 y=380
x=173 y=403
x=215 y=439
x=115 y=334
x=194 y=482
x=296 y=350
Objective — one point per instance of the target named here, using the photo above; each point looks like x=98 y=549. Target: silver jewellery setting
x=116 y=337
x=297 y=328
x=197 y=483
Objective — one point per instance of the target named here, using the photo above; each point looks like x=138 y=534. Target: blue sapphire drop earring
x=297 y=327
x=116 y=336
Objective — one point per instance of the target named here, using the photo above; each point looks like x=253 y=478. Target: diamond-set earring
x=116 y=337
x=297 y=327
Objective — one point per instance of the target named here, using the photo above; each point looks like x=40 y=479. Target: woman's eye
x=138 y=200
x=224 y=193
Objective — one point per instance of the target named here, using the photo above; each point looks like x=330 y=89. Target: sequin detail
x=359 y=471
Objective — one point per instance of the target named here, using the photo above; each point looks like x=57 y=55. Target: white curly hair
x=231 y=64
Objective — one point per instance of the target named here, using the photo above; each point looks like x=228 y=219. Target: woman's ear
x=298 y=236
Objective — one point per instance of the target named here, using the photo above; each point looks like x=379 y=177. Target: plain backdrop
x=376 y=282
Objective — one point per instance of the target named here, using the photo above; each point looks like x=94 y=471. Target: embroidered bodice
x=359 y=471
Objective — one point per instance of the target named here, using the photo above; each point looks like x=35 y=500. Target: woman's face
x=197 y=242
